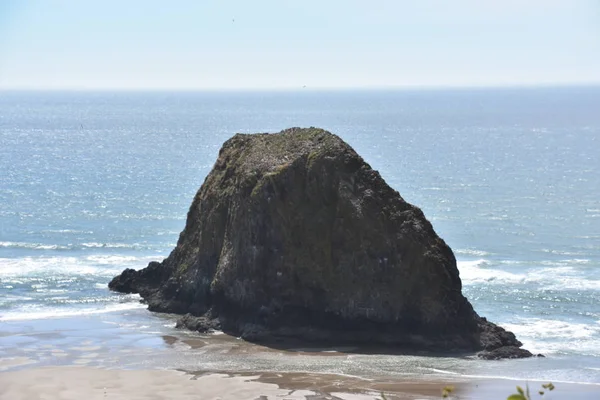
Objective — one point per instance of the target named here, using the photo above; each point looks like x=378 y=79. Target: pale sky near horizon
x=276 y=44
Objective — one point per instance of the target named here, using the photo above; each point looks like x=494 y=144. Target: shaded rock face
x=294 y=235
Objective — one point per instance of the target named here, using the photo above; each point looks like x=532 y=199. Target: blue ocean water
x=92 y=183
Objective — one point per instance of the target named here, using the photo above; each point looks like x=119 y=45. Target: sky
x=278 y=44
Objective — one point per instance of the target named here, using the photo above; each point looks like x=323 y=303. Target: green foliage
x=520 y=395
x=183 y=267
x=525 y=395
x=447 y=391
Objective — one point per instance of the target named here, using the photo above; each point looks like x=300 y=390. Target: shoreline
x=91 y=383
x=136 y=350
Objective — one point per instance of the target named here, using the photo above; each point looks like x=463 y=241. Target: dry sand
x=85 y=383
x=82 y=383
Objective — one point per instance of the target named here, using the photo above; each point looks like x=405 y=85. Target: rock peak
x=266 y=152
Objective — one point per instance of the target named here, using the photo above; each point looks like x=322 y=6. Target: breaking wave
x=80 y=246
x=94 y=265
x=553 y=275
x=551 y=336
x=33 y=313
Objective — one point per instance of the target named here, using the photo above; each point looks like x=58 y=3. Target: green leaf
x=520 y=390
x=449 y=389
x=446 y=391
x=516 y=397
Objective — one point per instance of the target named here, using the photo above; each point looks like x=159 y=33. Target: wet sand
x=76 y=383
x=140 y=356
x=82 y=382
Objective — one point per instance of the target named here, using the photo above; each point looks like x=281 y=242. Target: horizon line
x=303 y=88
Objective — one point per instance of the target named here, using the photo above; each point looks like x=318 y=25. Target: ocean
x=95 y=182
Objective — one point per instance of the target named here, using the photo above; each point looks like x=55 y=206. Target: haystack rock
x=294 y=235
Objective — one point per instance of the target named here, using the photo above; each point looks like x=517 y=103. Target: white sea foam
x=567 y=278
x=552 y=275
x=563 y=252
x=43 y=266
x=163 y=233
x=46 y=313
x=588 y=237
x=60 y=267
x=477 y=271
x=71 y=246
x=549 y=336
x=566 y=263
x=550 y=328
x=66 y=231
x=15 y=298
x=440 y=371
x=529 y=379
x=112 y=245
x=517 y=377
x=138 y=262
x=80 y=300
x=33 y=246
x=472 y=252
x=38 y=286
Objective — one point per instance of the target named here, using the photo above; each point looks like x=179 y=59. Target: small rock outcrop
x=294 y=235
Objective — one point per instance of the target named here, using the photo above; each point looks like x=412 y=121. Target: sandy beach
x=77 y=382
x=66 y=383
x=82 y=382
x=138 y=355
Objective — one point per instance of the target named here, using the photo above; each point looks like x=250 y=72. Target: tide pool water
x=92 y=183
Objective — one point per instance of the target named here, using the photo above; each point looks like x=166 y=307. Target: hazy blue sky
x=204 y=44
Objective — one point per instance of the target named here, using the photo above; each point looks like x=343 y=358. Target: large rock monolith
x=294 y=235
